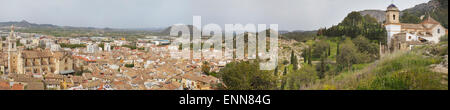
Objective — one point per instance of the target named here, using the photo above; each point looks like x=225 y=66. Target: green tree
x=322 y=67
x=304 y=77
x=294 y=60
x=283 y=80
x=409 y=18
x=102 y=45
x=305 y=55
x=337 y=49
x=366 y=48
x=129 y=65
x=246 y=75
x=292 y=57
x=355 y=24
x=329 y=50
x=320 y=48
x=206 y=68
x=348 y=55
x=309 y=56
x=275 y=72
x=370 y=20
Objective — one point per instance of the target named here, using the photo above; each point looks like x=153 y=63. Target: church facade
x=404 y=36
x=36 y=61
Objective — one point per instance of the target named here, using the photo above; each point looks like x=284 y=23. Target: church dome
x=392 y=7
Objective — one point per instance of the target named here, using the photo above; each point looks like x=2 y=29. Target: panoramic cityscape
x=399 y=45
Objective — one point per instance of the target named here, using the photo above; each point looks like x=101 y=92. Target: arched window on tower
x=439 y=31
x=394 y=17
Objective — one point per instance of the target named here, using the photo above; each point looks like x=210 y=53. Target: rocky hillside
x=438 y=9
x=380 y=15
x=423 y=8
x=166 y=31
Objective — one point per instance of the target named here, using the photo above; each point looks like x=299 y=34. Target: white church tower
x=392 y=24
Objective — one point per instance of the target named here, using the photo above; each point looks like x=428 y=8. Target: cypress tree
x=275 y=73
x=283 y=82
x=294 y=60
x=337 y=51
x=329 y=50
x=309 y=56
x=292 y=57
x=305 y=55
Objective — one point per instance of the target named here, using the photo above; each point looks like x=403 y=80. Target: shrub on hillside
x=408 y=71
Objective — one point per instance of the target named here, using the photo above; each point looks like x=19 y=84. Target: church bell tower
x=12 y=51
x=392 y=15
x=392 y=23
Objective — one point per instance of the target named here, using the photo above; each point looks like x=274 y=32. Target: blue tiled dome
x=392 y=6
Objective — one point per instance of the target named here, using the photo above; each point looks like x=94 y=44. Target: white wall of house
x=411 y=37
x=437 y=32
x=392 y=29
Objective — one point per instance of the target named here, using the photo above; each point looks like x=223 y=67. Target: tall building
x=91 y=48
x=55 y=47
x=12 y=51
x=392 y=25
x=404 y=36
x=107 y=47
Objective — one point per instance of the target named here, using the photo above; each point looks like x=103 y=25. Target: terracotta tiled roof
x=35 y=86
x=36 y=54
x=4 y=85
x=412 y=26
x=17 y=87
x=430 y=20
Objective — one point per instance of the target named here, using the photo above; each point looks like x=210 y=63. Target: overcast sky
x=289 y=14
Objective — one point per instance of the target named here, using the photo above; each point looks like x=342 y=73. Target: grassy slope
x=399 y=71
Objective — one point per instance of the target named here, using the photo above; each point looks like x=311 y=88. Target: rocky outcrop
x=442 y=67
x=380 y=15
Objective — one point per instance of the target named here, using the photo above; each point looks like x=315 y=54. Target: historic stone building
x=37 y=61
x=404 y=36
x=44 y=61
x=12 y=51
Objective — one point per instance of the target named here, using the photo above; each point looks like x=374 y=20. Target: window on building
x=439 y=31
x=409 y=37
x=394 y=16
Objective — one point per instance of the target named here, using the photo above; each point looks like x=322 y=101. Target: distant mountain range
x=26 y=24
